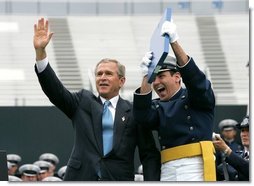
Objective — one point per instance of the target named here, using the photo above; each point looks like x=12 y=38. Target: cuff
x=142 y=101
x=42 y=64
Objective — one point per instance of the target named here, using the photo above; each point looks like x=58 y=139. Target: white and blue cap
x=52 y=178
x=228 y=124
x=14 y=178
x=140 y=169
x=9 y=165
x=244 y=123
x=29 y=170
x=44 y=165
x=61 y=171
x=52 y=158
x=169 y=64
x=14 y=159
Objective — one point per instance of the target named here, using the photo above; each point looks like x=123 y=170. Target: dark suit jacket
x=85 y=111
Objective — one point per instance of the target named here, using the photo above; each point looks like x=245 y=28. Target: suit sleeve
x=56 y=92
x=149 y=154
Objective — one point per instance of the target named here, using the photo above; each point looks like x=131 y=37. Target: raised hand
x=170 y=29
x=42 y=37
x=145 y=63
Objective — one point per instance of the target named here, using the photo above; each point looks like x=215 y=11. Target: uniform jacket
x=85 y=110
x=234 y=146
x=187 y=117
x=220 y=157
x=240 y=164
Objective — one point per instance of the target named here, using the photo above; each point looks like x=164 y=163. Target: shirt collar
x=113 y=100
x=246 y=150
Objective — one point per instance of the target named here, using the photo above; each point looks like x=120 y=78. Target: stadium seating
x=125 y=38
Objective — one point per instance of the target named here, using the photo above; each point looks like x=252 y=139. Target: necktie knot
x=106 y=103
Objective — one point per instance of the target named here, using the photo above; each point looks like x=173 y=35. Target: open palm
x=42 y=35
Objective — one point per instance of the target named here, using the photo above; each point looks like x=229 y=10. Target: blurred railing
x=120 y=7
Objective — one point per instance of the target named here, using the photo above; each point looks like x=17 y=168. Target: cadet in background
x=14 y=161
x=45 y=167
x=29 y=172
x=238 y=160
x=61 y=172
x=53 y=159
x=228 y=133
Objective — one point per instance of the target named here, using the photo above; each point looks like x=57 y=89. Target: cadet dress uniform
x=225 y=171
x=185 y=122
x=240 y=161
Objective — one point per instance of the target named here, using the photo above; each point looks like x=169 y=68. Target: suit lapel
x=97 y=124
x=122 y=116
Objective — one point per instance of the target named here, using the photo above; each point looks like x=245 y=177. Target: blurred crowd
x=232 y=158
x=44 y=169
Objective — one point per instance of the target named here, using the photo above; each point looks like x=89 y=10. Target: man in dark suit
x=88 y=161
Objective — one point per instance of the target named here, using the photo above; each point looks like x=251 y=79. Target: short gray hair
x=121 y=68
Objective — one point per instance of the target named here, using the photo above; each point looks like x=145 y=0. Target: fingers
x=47 y=26
x=146 y=60
x=149 y=54
x=50 y=35
x=41 y=25
x=168 y=28
x=35 y=28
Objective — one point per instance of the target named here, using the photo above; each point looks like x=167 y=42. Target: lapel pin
x=123 y=118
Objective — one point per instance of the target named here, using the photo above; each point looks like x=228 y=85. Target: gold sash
x=203 y=148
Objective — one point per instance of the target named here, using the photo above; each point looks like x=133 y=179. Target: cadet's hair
x=121 y=68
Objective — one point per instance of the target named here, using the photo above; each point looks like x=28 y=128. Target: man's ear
x=122 y=81
x=178 y=77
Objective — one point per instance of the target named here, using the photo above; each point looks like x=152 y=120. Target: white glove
x=216 y=136
x=170 y=29
x=146 y=61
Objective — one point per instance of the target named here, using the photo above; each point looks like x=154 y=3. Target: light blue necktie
x=107 y=128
